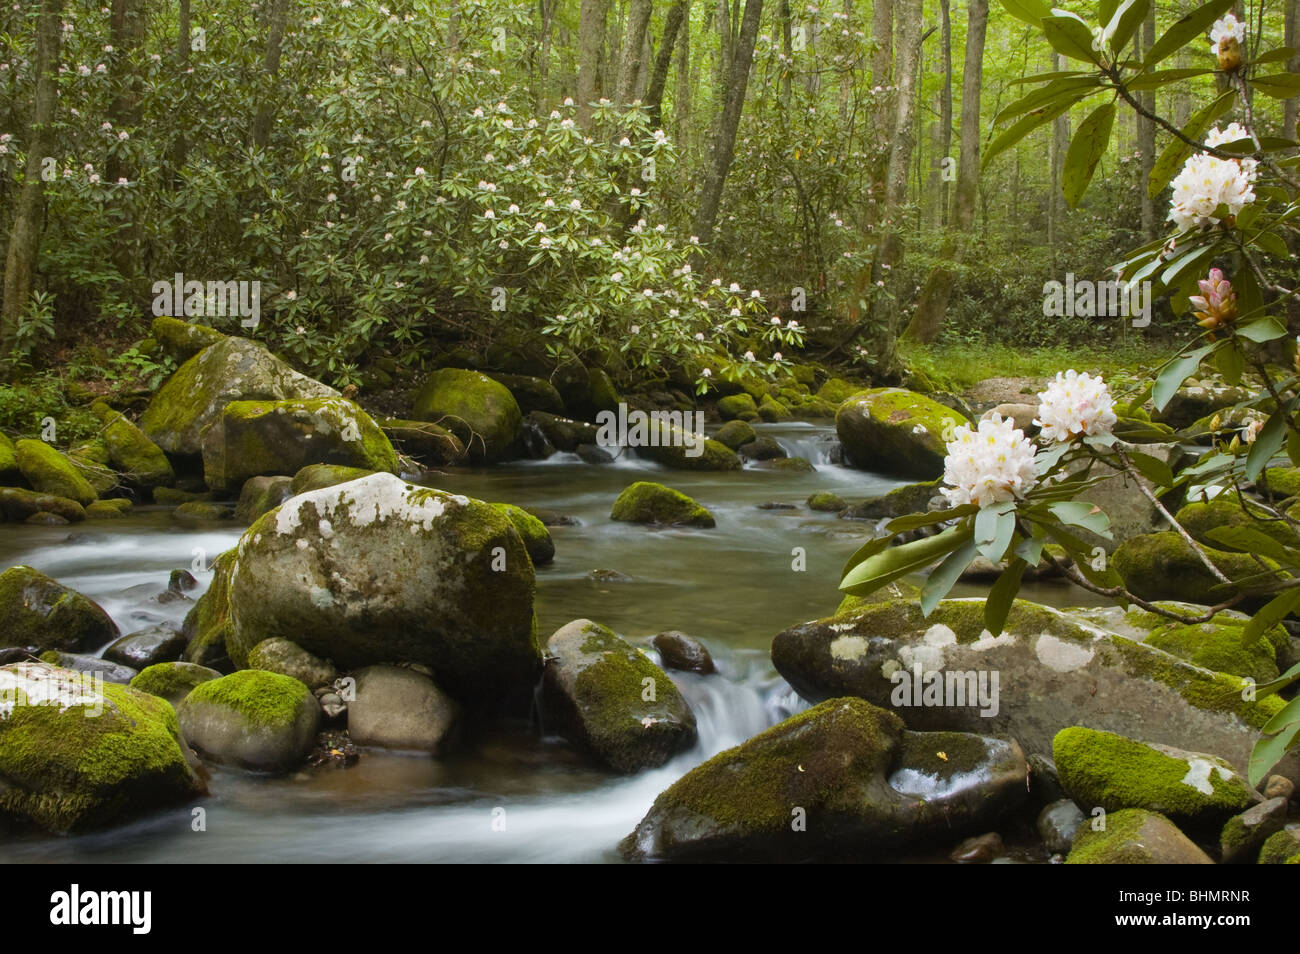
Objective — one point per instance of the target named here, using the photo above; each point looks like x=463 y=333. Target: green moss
x=735 y=434
x=49 y=472
x=826 y=502
x=130 y=451
x=40 y=611
x=316 y=476
x=671 y=451
x=207 y=625
x=182 y=339
x=1101 y=768
x=103 y=510
x=172 y=680
x=18 y=503
x=773 y=411
x=1162 y=566
x=537 y=539
x=790 y=465
x=647 y=502
x=734 y=405
x=1199 y=519
x=67 y=771
x=604 y=396
x=1218 y=647
x=265 y=699
x=1115 y=845
x=8 y=458
x=1283 y=481
x=482 y=413
x=836 y=391
x=1280 y=848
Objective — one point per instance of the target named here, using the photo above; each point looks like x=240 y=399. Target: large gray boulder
x=895 y=431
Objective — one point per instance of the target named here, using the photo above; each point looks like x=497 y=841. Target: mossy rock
x=18 y=503
x=733 y=406
x=762 y=448
x=532 y=394
x=1134 y=836
x=648 y=502
x=290 y=659
x=836 y=391
x=49 y=472
x=139 y=459
x=895 y=431
x=735 y=434
x=1282 y=481
x=790 y=465
x=254 y=719
x=604 y=395
x=674 y=448
x=773 y=411
x=1244 y=835
x=1162 y=566
x=207 y=624
x=196 y=513
x=564 y=433
x=39 y=611
x=266 y=438
x=380 y=570
x=174 y=496
x=9 y=470
x=814 y=409
x=824 y=502
x=910 y=498
x=260 y=495
x=1199 y=519
x=172 y=681
x=232 y=369
x=1219 y=647
x=182 y=340
x=1102 y=769
x=898 y=591
x=423 y=441
x=92 y=462
x=90 y=664
x=1281 y=848
x=481 y=412
x=67 y=772
x=318 y=476
x=541 y=548
x=103 y=510
x=610 y=699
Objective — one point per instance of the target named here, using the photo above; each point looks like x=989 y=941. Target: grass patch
x=955 y=367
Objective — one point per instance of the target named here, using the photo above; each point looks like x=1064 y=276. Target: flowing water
x=510 y=795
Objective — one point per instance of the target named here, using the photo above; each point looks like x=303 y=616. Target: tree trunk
x=25 y=235
x=933 y=304
x=682 y=101
x=1056 y=198
x=1290 y=107
x=725 y=142
x=265 y=118
x=126 y=34
x=638 y=22
x=945 y=109
x=654 y=97
x=591 y=37
x=1146 y=131
x=180 y=149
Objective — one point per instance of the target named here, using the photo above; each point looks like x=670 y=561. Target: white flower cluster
x=1206 y=182
x=990 y=465
x=1226 y=28
x=1075 y=405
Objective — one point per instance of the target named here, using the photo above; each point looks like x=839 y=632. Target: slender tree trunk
x=1291 y=107
x=1056 y=198
x=787 y=50
x=882 y=63
x=265 y=119
x=933 y=304
x=654 y=97
x=180 y=150
x=25 y=234
x=126 y=34
x=725 y=142
x=945 y=108
x=591 y=37
x=1146 y=131
x=682 y=101
x=638 y=22
x=544 y=57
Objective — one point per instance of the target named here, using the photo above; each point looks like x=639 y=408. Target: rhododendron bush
x=1234 y=205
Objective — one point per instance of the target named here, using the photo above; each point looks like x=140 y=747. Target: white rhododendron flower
x=1227 y=28
x=1205 y=183
x=990 y=465
x=1232 y=133
x=1075 y=405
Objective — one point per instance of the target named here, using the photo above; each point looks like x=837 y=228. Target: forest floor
x=959 y=367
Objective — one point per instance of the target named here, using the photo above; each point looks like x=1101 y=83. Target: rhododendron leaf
x=1187 y=28
x=913 y=520
x=1231 y=363
x=1123 y=23
x=1262 y=329
x=1086 y=149
x=994 y=526
x=890 y=564
x=1277 y=85
x=1002 y=595
x=1267 y=443
x=1081 y=513
x=1030 y=11
x=1176 y=153
x=1250 y=540
x=1152 y=468
x=1069 y=36
x=1163 y=77
x=945 y=575
x=1275 y=740
x=1171 y=378
x=1028 y=123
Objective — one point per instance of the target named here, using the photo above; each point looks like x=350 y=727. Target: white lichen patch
x=40 y=684
x=939 y=635
x=1062 y=655
x=1200 y=772
x=366 y=501
x=988 y=641
x=849 y=648
x=929 y=657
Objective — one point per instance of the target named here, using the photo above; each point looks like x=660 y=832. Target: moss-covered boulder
x=172 y=681
x=532 y=394
x=65 y=771
x=602 y=394
x=105 y=510
x=842 y=780
x=1135 y=836
x=773 y=411
x=1282 y=481
x=564 y=433
x=824 y=502
x=289 y=659
x=481 y=412
x=139 y=459
x=379 y=570
x=1163 y=566
x=672 y=447
x=19 y=503
x=263 y=438
x=1219 y=646
x=257 y=720
x=1102 y=769
x=198 y=513
x=1244 y=835
x=49 y=472
x=541 y=548
x=735 y=434
x=319 y=476
x=1200 y=518
x=182 y=340
x=762 y=448
x=9 y=471
x=1281 y=848
x=207 y=624
x=232 y=369
x=895 y=431
x=146 y=647
x=395 y=707
x=787 y=465
x=39 y=611
x=91 y=665
x=910 y=498
x=738 y=407
x=611 y=700
x=91 y=459
x=262 y=494
x=836 y=391
x=1067 y=666
x=648 y=502
x=423 y=441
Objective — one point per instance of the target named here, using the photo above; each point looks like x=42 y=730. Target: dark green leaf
x=888 y=565
x=1070 y=37
x=1031 y=11
x=1267 y=443
x=1163 y=77
x=1027 y=124
x=1086 y=149
x=1262 y=329
x=1173 y=156
x=1274 y=741
x=1171 y=378
x=943 y=576
x=1187 y=28
x=1277 y=85
x=1001 y=597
